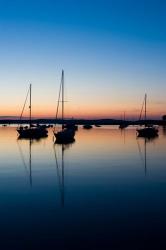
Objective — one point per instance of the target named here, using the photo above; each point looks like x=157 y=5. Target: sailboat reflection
x=28 y=167
x=60 y=166
x=123 y=133
x=143 y=155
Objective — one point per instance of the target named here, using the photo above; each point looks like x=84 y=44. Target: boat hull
x=65 y=136
x=33 y=133
x=87 y=126
x=123 y=125
x=71 y=126
x=148 y=132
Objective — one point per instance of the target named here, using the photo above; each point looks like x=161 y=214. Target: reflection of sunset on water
x=104 y=168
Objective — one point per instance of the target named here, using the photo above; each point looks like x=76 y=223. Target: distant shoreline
x=83 y=121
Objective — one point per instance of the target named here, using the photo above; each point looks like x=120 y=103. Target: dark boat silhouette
x=71 y=126
x=87 y=126
x=32 y=131
x=148 y=131
x=66 y=135
x=123 y=124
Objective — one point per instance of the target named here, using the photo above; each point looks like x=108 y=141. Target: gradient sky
x=112 y=52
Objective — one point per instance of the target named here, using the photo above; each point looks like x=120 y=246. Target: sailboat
x=148 y=131
x=87 y=126
x=32 y=131
x=66 y=134
x=123 y=124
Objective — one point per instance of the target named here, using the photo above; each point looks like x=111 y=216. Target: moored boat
x=148 y=131
x=124 y=123
x=66 y=134
x=71 y=126
x=87 y=126
x=32 y=131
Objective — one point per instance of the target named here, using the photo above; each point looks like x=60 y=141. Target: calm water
x=101 y=192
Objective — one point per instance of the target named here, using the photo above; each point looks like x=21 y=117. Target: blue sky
x=112 y=53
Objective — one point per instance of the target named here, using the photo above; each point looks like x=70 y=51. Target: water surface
x=105 y=191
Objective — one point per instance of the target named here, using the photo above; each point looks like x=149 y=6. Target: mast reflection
x=143 y=155
x=60 y=166
x=27 y=165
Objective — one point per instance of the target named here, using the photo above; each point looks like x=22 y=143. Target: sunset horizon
x=110 y=60
x=82 y=124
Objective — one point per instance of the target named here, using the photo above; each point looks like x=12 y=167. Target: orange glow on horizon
x=87 y=109
x=84 y=111
x=85 y=114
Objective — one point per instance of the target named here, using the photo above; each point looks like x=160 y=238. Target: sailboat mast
x=30 y=106
x=62 y=99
